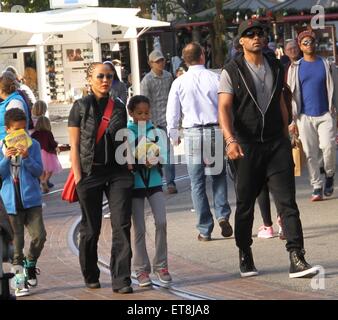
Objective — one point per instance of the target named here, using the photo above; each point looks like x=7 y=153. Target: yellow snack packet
x=146 y=149
x=17 y=138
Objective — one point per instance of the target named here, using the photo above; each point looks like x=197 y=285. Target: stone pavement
x=208 y=270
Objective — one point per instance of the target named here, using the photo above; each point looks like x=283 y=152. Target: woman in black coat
x=96 y=172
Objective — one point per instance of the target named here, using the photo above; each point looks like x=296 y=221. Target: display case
x=55 y=77
x=66 y=67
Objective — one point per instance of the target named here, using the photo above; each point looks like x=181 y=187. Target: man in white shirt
x=194 y=95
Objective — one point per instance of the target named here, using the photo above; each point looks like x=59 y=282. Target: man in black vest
x=254 y=120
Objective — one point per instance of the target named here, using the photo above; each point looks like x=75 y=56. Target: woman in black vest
x=96 y=172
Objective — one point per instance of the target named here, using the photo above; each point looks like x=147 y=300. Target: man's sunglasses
x=308 y=42
x=108 y=76
x=252 y=33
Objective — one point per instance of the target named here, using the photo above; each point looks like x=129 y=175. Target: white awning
x=40 y=28
x=74 y=19
x=32 y=24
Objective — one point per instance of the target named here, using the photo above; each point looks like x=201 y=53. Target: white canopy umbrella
x=73 y=19
x=42 y=25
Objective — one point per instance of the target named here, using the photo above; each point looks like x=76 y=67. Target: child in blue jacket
x=147 y=184
x=20 y=169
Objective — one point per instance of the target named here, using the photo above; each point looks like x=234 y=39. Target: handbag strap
x=105 y=119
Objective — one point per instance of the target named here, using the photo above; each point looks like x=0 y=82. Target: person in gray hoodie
x=314 y=112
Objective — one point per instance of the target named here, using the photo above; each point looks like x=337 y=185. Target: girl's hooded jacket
x=155 y=135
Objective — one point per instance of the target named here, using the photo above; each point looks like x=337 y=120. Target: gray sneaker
x=143 y=279
x=163 y=275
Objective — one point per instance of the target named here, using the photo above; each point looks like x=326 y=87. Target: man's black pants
x=269 y=162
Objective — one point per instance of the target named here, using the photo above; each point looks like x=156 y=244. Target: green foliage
x=187 y=8
x=29 y=5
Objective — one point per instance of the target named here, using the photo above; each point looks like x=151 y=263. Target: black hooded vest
x=89 y=126
x=250 y=124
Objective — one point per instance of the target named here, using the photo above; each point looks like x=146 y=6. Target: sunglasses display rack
x=54 y=73
x=88 y=56
x=107 y=54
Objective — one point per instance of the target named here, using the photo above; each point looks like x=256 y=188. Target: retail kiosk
x=64 y=41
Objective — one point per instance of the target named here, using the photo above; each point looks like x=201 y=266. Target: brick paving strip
x=198 y=279
x=61 y=278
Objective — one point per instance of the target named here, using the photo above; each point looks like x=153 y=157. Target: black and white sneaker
x=246 y=264
x=299 y=268
x=31 y=271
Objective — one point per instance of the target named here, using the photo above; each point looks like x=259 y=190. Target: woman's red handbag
x=69 y=190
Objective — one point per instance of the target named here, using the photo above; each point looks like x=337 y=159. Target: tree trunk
x=195 y=34
x=219 y=42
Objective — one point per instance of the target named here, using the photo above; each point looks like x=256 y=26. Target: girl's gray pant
x=140 y=260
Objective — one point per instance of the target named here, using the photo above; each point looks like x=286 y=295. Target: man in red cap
x=254 y=120
x=314 y=112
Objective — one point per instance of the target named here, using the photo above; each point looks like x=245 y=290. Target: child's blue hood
x=134 y=126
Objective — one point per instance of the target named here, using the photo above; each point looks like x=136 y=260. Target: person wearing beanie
x=314 y=113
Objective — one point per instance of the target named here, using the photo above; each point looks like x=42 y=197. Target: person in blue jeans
x=194 y=95
x=197 y=166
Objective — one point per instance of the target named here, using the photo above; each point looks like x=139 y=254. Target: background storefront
x=56 y=37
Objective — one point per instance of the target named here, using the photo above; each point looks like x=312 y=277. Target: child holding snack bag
x=146 y=142
x=20 y=169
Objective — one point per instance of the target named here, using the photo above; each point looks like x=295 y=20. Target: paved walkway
x=208 y=270
x=200 y=269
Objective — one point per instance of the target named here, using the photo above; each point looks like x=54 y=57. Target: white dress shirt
x=194 y=94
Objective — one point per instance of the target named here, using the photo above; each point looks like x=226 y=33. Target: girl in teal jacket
x=149 y=150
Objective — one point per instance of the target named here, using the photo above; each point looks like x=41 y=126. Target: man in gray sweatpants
x=314 y=113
